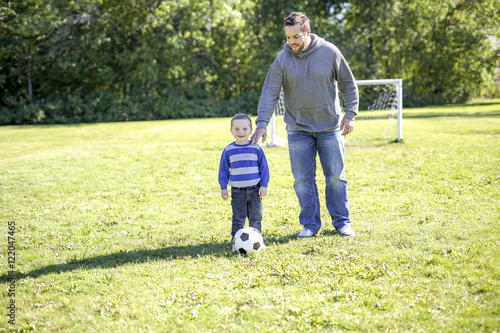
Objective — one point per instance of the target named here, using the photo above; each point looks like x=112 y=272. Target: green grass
x=121 y=229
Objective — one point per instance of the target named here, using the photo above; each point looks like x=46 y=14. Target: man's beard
x=300 y=48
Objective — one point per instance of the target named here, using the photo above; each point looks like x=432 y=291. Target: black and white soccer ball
x=248 y=240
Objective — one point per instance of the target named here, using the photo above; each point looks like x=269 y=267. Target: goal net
x=380 y=119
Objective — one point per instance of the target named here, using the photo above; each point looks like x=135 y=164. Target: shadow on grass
x=432 y=113
x=141 y=256
x=424 y=114
x=362 y=143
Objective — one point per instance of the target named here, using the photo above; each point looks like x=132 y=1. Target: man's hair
x=241 y=116
x=298 y=18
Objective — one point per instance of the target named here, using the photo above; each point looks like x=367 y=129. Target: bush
x=20 y=111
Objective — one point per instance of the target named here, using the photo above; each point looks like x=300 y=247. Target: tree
x=94 y=60
x=440 y=49
x=24 y=25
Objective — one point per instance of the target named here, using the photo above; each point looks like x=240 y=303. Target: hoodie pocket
x=318 y=119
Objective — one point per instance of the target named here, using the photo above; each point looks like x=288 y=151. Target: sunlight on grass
x=120 y=227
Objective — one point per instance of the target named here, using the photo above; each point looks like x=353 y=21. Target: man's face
x=297 y=39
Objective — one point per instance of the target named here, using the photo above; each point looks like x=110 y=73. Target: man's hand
x=259 y=133
x=224 y=194
x=347 y=126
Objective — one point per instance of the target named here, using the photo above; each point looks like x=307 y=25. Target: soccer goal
x=380 y=118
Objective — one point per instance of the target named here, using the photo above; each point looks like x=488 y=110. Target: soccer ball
x=248 y=240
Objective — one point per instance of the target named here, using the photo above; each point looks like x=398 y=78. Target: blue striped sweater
x=243 y=166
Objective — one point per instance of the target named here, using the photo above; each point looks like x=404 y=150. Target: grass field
x=119 y=227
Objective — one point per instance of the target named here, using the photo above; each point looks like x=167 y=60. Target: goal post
x=399 y=98
x=276 y=141
x=391 y=99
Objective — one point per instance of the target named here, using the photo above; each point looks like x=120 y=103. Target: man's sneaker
x=346 y=231
x=305 y=233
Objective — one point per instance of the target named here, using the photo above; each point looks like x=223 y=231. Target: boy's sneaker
x=346 y=231
x=305 y=233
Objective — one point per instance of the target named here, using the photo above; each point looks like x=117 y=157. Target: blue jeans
x=330 y=148
x=246 y=203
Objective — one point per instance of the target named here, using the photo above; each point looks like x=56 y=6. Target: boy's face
x=241 y=130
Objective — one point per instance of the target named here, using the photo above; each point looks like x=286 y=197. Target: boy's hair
x=241 y=116
x=298 y=18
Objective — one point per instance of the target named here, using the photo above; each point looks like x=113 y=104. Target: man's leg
x=302 y=149
x=331 y=152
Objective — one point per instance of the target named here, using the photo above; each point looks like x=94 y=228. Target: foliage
x=121 y=228
x=93 y=61
x=440 y=49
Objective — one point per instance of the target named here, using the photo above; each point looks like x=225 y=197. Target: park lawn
x=120 y=228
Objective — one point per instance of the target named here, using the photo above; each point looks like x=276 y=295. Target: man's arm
x=347 y=86
x=349 y=90
x=268 y=98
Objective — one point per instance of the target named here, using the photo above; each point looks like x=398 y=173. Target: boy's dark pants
x=246 y=203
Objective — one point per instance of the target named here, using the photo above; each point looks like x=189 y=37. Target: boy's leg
x=254 y=209
x=239 y=205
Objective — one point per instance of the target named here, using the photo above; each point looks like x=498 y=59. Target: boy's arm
x=263 y=169
x=224 y=171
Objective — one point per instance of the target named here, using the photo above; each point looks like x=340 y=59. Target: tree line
x=71 y=61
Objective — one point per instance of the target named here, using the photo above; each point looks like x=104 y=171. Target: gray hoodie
x=311 y=81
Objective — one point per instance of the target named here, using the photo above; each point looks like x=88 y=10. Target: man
x=311 y=71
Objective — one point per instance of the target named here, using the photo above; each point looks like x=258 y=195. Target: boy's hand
x=262 y=192
x=224 y=194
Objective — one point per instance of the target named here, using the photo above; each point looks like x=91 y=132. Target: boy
x=244 y=167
